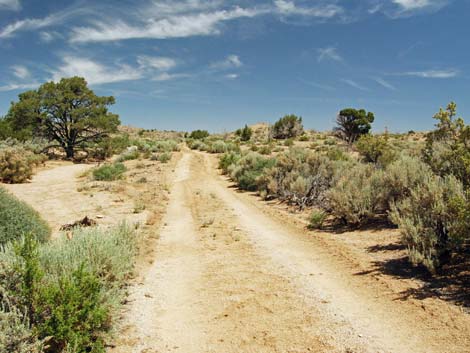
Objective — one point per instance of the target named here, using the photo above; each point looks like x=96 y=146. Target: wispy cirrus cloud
x=385 y=83
x=404 y=8
x=288 y=7
x=173 y=26
x=13 y=5
x=32 y=24
x=18 y=86
x=316 y=85
x=230 y=62
x=156 y=62
x=449 y=73
x=354 y=84
x=329 y=53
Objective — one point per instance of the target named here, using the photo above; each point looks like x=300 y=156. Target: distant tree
x=67 y=112
x=353 y=123
x=287 y=127
x=199 y=134
x=245 y=133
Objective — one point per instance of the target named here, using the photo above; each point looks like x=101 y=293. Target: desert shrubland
x=419 y=185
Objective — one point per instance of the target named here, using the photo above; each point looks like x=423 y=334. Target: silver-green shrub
x=17 y=218
x=356 y=196
x=430 y=220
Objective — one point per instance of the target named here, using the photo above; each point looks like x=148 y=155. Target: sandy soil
x=62 y=194
x=231 y=274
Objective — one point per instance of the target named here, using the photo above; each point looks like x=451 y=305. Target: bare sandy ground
x=229 y=275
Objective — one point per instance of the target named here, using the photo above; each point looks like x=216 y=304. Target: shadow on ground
x=451 y=283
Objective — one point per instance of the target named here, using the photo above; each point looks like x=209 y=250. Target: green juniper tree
x=67 y=112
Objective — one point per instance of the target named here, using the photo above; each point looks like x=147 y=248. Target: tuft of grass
x=317 y=218
x=109 y=172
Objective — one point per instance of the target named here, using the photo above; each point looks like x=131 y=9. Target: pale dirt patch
x=54 y=194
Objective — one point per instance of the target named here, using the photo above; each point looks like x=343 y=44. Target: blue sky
x=218 y=64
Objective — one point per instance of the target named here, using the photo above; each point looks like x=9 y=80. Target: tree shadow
x=450 y=283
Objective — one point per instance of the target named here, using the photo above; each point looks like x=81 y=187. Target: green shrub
x=245 y=133
x=337 y=154
x=356 y=197
x=108 y=147
x=432 y=220
x=265 y=150
x=218 y=147
x=401 y=178
x=375 y=149
x=109 y=172
x=199 y=134
x=317 y=218
x=72 y=312
x=447 y=147
x=288 y=126
x=197 y=145
x=289 y=142
x=128 y=155
x=249 y=168
x=68 y=289
x=299 y=177
x=164 y=157
x=227 y=160
x=15 y=165
x=165 y=146
x=17 y=218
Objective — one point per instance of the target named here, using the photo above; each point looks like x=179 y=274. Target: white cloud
x=404 y=8
x=174 y=26
x=164 y=8
x=317 y=85
x=95 y=73
x=231 y=76
x=230 y=62
x=156 y=62
x=354 y=84
x=49 y=36
x=432 y=73
x=384 y=83
x=165 y=76
x=31 y=24
x=18 y=86
x=330 y=53
x=20 y=72
x=14 y=5
x=287 y=7
x=413 y=4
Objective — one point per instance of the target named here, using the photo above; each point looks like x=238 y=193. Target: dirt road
x=229 y=276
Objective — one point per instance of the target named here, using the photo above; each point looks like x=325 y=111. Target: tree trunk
x=70 y=152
